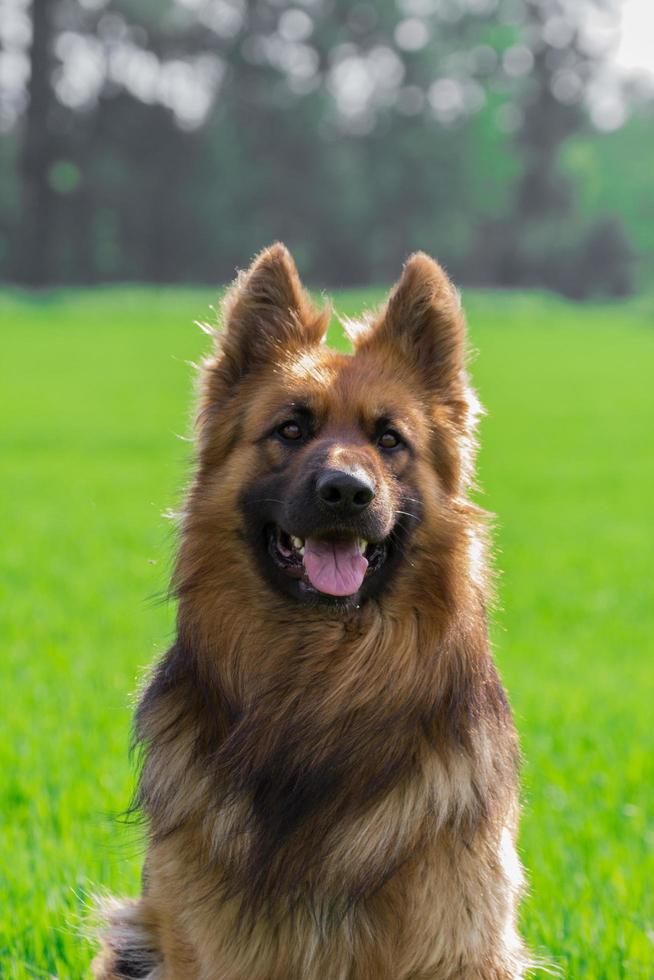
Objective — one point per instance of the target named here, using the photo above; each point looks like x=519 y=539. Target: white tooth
x=298 y=543
x=362 y=545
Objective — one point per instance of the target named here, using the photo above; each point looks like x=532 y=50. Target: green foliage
x=613 y=175
x=206 y=130
x=64 y=177
x=96 y=390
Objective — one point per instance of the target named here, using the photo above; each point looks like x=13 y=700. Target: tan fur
x=329 y=797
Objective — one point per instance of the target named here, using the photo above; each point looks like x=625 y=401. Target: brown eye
x=389 y=440
x=290 y=431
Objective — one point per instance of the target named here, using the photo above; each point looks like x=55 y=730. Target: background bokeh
x=148 y=148
x=167 y=140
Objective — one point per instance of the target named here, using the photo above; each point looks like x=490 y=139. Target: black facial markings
x=278 y=499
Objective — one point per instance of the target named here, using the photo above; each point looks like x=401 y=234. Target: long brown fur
x=328 y=796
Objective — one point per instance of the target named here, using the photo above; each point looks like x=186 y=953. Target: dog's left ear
x=423 y=323
x=266 y=314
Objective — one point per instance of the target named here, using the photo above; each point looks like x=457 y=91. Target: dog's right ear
x=267 y=314
x=422 y=323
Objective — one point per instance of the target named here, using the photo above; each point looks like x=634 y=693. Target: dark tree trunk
x=35 y=160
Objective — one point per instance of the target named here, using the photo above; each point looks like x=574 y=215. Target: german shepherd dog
x=328 y=758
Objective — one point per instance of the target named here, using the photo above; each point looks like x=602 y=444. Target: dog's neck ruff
x=338 y=726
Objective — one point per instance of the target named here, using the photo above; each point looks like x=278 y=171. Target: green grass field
x=96 y=393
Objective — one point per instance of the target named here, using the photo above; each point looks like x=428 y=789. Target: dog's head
x=322 y=473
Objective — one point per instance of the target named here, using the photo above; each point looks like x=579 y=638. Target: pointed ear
x=266 y=314
x=423 y=323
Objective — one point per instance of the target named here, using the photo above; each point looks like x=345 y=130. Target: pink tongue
x=334 y=567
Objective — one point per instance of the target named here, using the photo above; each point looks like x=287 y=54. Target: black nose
x=342 y=491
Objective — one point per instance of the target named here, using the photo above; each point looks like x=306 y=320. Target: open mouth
x=332 y=565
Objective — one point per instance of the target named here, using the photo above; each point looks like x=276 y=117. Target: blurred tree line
x=168 y=140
